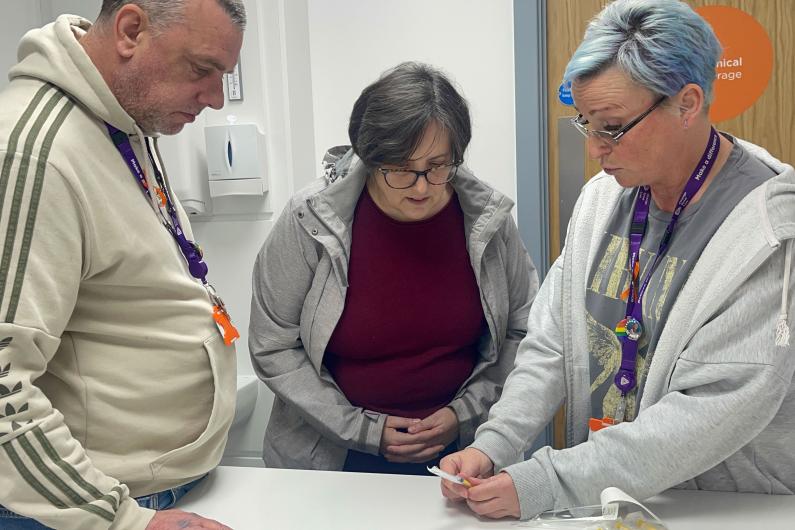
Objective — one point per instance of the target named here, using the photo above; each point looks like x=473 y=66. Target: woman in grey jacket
x=663 y=325
x=389 y=299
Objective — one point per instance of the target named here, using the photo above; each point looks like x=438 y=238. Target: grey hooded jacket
x=299 y=287
x=718 y=408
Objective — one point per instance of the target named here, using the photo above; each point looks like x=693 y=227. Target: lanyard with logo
x=630 y=329
x=190 y=250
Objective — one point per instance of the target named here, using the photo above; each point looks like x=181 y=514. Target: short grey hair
x=164 y=13
x=390 y=116
x=661 y=45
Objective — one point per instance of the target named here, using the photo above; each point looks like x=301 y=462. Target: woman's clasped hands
x=415 y=440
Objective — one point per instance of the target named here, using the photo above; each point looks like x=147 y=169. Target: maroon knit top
x=408 y=335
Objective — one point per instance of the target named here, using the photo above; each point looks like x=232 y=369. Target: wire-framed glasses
x=612 y=137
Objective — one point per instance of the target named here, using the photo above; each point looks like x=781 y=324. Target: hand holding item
x=494 y=497
x=470 y=464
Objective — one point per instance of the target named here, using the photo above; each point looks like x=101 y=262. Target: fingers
x=397 y=422
x=494 y=497
x=391 y=438
x=210 y=524
x=407 y=450
x=177 y=519
x=469 y=462
x=452 y=463
x=428 y=437
x=484 y=491
x=490 y=508
x=430 y=422
x=484 y=499
x=443 y=419
x=452 y=491
x=469 y=465
x=473 y=481
x=418 y=455
x=458 y=492
x=493 y=509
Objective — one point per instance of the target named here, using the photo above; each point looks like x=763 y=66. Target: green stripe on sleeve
x=79 y=502
x=38 y=184
x=114 y=501
x=19 y=190
x=29 y=478
x=13 y=141
x=56 y=481
x=96 y=510
x=50 y=451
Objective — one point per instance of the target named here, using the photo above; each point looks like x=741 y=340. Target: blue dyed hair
x=661 y=45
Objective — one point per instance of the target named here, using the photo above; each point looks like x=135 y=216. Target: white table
x=278 y=499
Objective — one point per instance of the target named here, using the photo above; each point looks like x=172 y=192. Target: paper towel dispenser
x=236 y=160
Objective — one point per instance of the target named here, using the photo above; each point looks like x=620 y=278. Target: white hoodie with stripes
x=114 y=381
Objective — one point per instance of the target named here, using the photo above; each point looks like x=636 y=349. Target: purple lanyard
x=191 y=251
x=631 y=328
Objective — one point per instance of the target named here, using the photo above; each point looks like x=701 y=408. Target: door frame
x=532 y=178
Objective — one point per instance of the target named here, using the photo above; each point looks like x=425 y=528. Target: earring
x=686 y=123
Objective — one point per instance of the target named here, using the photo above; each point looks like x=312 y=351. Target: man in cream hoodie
x=116 y=388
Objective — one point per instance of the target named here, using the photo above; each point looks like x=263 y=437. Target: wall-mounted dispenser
x=236 y=159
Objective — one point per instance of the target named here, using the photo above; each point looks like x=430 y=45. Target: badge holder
x=615 y=513
x=221 y=317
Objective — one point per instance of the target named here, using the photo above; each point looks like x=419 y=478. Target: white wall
x=353 y=41
x=85 y=8
x=277 y=95
x=18 y=18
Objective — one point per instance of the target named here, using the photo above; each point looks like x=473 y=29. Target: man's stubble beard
x=132 y=89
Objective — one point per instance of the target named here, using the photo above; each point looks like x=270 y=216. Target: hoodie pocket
x=204 y=453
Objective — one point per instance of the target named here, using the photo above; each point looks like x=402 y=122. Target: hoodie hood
x=54 y=55
x=778 y=205
x=337 y=162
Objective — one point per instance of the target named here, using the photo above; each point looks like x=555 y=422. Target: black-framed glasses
x=403 y=177
x=612 y=137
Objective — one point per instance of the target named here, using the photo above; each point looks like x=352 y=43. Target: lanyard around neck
x=191 y=251
x=630 y=328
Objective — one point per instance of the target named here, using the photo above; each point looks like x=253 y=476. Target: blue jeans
x=162 y=500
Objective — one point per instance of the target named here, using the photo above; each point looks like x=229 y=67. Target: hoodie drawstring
x=782 y=327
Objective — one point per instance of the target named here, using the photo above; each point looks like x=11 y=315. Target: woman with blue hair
x=663 y=325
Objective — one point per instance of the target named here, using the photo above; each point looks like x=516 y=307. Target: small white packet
x=447 y=476
x=606 y=516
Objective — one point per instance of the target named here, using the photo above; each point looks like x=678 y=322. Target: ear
x=130 y=28
x=691 y=103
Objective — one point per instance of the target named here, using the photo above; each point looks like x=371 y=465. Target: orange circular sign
x=746 y=65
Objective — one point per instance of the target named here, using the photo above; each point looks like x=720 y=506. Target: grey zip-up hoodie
x=299 y=287
x=718 y=409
